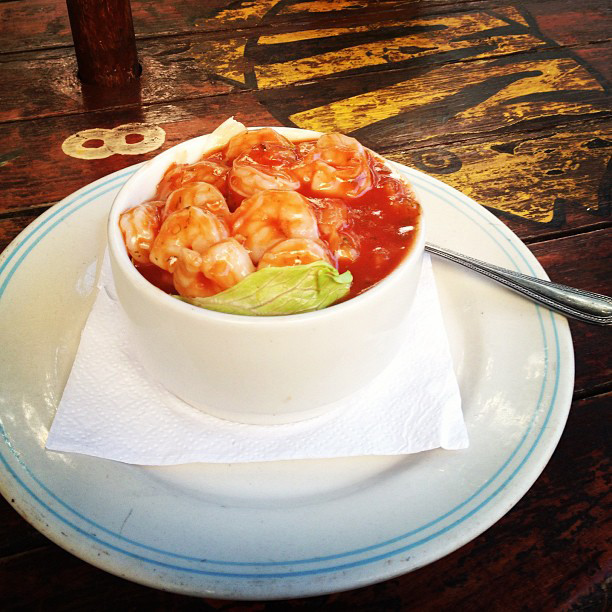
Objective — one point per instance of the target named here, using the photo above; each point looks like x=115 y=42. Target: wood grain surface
x=507 y=101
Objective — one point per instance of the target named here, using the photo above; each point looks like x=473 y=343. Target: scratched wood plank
x=45 y=83
x=596 y=61
x=501 y=94
x=39 y=24
x=549 y=552
x=568 y=24
x=190 y=66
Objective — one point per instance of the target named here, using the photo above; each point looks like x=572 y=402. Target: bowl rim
x=118 y=251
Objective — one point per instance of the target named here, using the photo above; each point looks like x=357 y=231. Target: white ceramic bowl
x=264 y=370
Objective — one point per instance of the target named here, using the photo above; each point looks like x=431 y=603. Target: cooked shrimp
x=205 y=171
x=397 y=192
x=263 y=167
x=139 y=227
x=293 y=252
x=190 y=282
x=245 y=141
x=219 y=267
x=333 y=218
x=337 y=166
x=201 y=195
x=172 y=179
x=226 y=263
x=271 y=216
x=185 y=234
x=345 y=246
x=332 y=215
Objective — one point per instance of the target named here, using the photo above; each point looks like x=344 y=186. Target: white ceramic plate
x=282 y=529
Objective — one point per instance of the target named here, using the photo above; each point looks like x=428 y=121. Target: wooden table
x=506 y=101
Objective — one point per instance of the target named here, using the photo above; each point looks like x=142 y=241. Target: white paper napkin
x=111 y=409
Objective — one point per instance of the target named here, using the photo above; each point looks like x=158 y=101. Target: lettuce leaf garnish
x=280 y=291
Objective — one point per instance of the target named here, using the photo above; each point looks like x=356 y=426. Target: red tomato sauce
x=386 y=234
x=384 y=219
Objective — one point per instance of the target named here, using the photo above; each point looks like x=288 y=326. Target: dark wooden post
x=104 y=41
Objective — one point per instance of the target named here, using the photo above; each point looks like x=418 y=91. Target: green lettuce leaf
x=280 y=291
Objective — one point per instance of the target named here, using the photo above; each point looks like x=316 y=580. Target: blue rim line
x=54 y=214
x=421 y=178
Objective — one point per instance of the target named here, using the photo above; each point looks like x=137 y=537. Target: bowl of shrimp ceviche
x=267 y=272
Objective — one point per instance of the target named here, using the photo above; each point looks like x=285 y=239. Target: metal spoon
x=575 y=303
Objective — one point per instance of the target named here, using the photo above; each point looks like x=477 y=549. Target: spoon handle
x=575 y=303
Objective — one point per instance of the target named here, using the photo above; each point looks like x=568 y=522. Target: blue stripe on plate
x=51 y=219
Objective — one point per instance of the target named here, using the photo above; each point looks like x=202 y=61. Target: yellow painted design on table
x=365 y=109
x=372 y=54
x=527 y=180
x=248 y=10
x=456 y=34
x=323 y=6
x=74 y=145
x=555 y=75
x=511 y=13
x=451 y=28
x=107 y=142
x=289 y=37
x=224 y=58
